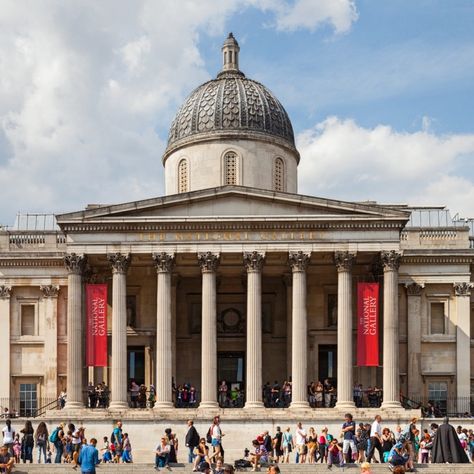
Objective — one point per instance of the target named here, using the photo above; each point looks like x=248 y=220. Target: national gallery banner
x=96 y=335
x=367 y=324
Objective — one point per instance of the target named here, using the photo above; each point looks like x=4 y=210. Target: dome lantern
x=230 y=56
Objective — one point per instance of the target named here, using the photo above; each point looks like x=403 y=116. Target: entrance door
x=231 y=368
x=136 y=364
x=327 y=362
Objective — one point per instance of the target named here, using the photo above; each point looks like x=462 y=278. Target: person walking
x=277 y=444
x=57 y=438
x=126 y=449
x=216 y=438
x=8 y=436
x=41 y=441
x=89 y=457
x=375 y=439
x=300 y=440
x=191 y=440
x=287 y=442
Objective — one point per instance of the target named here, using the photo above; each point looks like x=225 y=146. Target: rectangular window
x=27 y=320
x=332 y=310
x=28 y=399
x=438 y=396
x=438 y=318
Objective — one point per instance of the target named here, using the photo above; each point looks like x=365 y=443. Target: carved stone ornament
x=208 y=261
x=49 y=291
x=5 y=291
x=414 y=289
x=164 y=262
x=253 y=261
x=299 y=261
x=119 y=261
x=463 y=289
x=75 y=263
x=391 y=260
x=344 y=260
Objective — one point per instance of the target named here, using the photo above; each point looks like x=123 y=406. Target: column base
x=118 y=405
x=301 y=405
x=208 y=405
x=345 y=405
x=73 y=405
x=163 y=405
x=391 y=404
x=253 y=405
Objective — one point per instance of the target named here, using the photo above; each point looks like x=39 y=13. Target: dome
x=231 y=105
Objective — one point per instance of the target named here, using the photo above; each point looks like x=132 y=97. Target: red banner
x=96 y=335
x=368 y=324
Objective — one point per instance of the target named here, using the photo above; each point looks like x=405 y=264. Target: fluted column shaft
x=75 y=265
x=299 y=262
x=344 y=262
x=120 y=263
x=391 y=363
x=209 y=262
x=254 y=263
x=5 y=294
x=164 y=363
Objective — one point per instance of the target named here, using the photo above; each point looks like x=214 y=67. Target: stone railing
x=23 y=240
x=441 y=238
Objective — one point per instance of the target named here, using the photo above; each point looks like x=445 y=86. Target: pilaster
x=5 y=386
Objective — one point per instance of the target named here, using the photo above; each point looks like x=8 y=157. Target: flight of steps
x=285 y=469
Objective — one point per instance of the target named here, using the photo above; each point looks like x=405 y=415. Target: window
x=27 y=320
x=438 y=318
x=230 y=168
x=28 y=399
x=438 y=395
x=279 y=175
x=183 y=176
x=332 y=309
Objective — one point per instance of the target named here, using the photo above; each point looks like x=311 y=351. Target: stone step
x=285 y=469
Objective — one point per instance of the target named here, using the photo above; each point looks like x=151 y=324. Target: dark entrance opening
x=231 y=368
x=136 y=364
x=327 y=358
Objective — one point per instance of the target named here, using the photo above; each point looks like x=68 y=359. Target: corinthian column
x=391 y=364
x=50 y=297
x=5 y=293
x=463 y=345
x=120 y=263
x=75 y=265
x=208 y=262
x=414 y=340
x=253 y=261
x=299 y=262
x=164 y=263
x=344 y=262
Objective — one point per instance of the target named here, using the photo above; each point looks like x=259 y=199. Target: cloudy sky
x=381 y=94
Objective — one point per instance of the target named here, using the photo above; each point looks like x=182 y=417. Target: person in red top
x=334 y=454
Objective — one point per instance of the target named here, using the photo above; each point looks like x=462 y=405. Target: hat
x=260 y=439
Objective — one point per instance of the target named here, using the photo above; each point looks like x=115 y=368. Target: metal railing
x=460 y=407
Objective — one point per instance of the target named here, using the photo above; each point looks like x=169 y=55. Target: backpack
x=405 y=434
x=41 y=441
x=54 y=436
x=209 y=435
x=112 y=437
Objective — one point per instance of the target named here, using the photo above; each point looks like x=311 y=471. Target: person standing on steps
x=89 y=457
x=191 y=440
x=375 y=439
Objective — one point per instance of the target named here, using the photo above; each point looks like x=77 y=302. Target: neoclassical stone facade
x=232 y=275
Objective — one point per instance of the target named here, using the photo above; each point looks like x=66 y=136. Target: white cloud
x=342 y=159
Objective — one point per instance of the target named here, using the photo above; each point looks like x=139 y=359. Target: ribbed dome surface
x=231 y=103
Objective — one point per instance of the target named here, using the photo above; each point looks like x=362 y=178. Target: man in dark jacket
x=446 y=445
x=192 y=440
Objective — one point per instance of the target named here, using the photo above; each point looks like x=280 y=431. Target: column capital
x=75 y=263
x=164 y=261
x=414 y=289
x=253 y=261
x=50 y=291
x=299 y=260
x=462 y=289
x=208 y=261
x=119 y=262
x=391 y=260
x=5 y=291
x=344 y=260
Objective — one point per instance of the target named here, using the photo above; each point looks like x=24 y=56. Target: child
x=365 y=468
x=106 y=456
x=17 y=449
x=48 y=458
x=423 y=448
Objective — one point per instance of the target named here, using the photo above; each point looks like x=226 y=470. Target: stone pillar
x=5 y=294
x=288 y=280
x=344 y=262
x=118 y=387
x=75 y=265
x=50 y=296
x=391 y=364
x=164 y=263
x=299 y=262
x=208 y=262
x=463 y=345
x=253 y=262
x=414 y=340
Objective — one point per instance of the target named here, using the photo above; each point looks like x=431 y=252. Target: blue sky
x=380 y=94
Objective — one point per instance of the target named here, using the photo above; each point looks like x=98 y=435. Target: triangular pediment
x=236 y=202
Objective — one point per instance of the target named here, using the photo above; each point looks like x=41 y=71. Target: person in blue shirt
x=89 y=457
x=349 y=434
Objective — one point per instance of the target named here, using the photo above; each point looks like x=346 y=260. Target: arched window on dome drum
x=230 y=168
x=183 y=180
x=279 y=175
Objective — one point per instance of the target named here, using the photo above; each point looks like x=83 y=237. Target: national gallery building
x=232 y=275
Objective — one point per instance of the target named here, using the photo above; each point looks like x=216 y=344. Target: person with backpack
x=27 y=442
x=56 y=438
x=41 y=440
x=116 y=438
x=191 y=440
